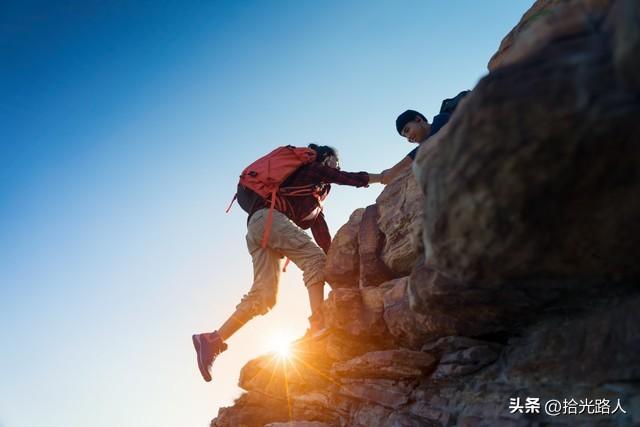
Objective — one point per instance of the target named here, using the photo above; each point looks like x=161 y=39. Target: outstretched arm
x=389 y=175
x=375 y=178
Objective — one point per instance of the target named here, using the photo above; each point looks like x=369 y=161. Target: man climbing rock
x=275 y=230
x=416 y=129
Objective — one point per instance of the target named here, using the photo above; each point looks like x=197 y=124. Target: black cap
x=405 y=118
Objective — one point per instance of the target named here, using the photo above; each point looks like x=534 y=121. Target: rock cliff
x=502 y=274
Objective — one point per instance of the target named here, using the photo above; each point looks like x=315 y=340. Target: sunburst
x=280 y=344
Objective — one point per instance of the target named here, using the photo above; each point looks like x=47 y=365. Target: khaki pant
x=285 y=239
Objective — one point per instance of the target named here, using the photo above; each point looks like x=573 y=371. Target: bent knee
x=256 y=304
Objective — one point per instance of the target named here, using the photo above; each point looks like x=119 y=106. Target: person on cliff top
x=285 y=238
x=415 y=127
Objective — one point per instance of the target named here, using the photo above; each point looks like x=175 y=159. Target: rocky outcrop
x=400 y=206
x=371 y=241
x=343 y=260
x=551 y=193
x=501 y=275
x=381 y=242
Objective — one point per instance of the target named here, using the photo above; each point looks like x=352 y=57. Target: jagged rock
x=342 y=269
x=479 y=309
x=549 y=195
x=373 y=271
x=342 y=346
x=357 y=312
x=388 y=393
x=320 y=405
x=392 y=364
x=400 y=208
x=278 y=377
x=299 y=424
x=432 y=409
x=456 y=343
x=545 y=22
x=252 y=410
x=464 y=362
x=404 y=419
x=600 y=345
x=566 y=354
x=468 y=309
x=624 y=22
x=411 y=329
x=369 y=415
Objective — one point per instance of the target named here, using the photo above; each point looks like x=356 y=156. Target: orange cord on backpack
x=235 y=196
x=267 y=224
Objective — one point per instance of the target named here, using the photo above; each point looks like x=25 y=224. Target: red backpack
x=264 y=177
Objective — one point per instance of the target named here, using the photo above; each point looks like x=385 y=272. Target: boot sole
x=203 y=369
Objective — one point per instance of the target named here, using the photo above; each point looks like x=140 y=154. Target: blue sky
x=123 y=128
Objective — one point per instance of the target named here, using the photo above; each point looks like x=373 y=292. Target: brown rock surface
x=299 y=424
x=387 y=393
x=373 y=271
x=400 y=208
x=252 y=410
x=549 y=194
x=357 y=312
x=548 y=21
x=411 y=329
x=342 y=269
x=392 y=364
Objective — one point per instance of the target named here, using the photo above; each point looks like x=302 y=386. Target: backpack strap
x=267 y=224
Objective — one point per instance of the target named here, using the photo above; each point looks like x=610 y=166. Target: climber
x=416 y=129
x=275 y=233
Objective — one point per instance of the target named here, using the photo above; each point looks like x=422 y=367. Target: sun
x=280 y=344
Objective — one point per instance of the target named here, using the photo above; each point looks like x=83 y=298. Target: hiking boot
x=208 y=346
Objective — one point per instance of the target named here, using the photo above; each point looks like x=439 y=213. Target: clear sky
x=123 y=128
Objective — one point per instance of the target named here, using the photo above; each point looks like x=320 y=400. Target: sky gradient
x=123 y=128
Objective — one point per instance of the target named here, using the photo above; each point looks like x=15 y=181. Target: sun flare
x=281 y=345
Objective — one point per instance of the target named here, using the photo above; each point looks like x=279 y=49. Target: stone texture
x=624 y=22
x=548 y=21
x=341 y=346
x=252 y=410
x=400 y=208
x=410 y=328
x=601 y=344
x=373 y=271
x=319 y=406
x=454 y=344
x=276 y=377
x=342 y=269
x=392 y=364
x=404 y=419
x=564 y=354
x=299 y=424
x=357 y=312
x=369 y=415
x=306 y=368
x=464 y=361
x=387 y=393
x=457 y=308
x=549 y=195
